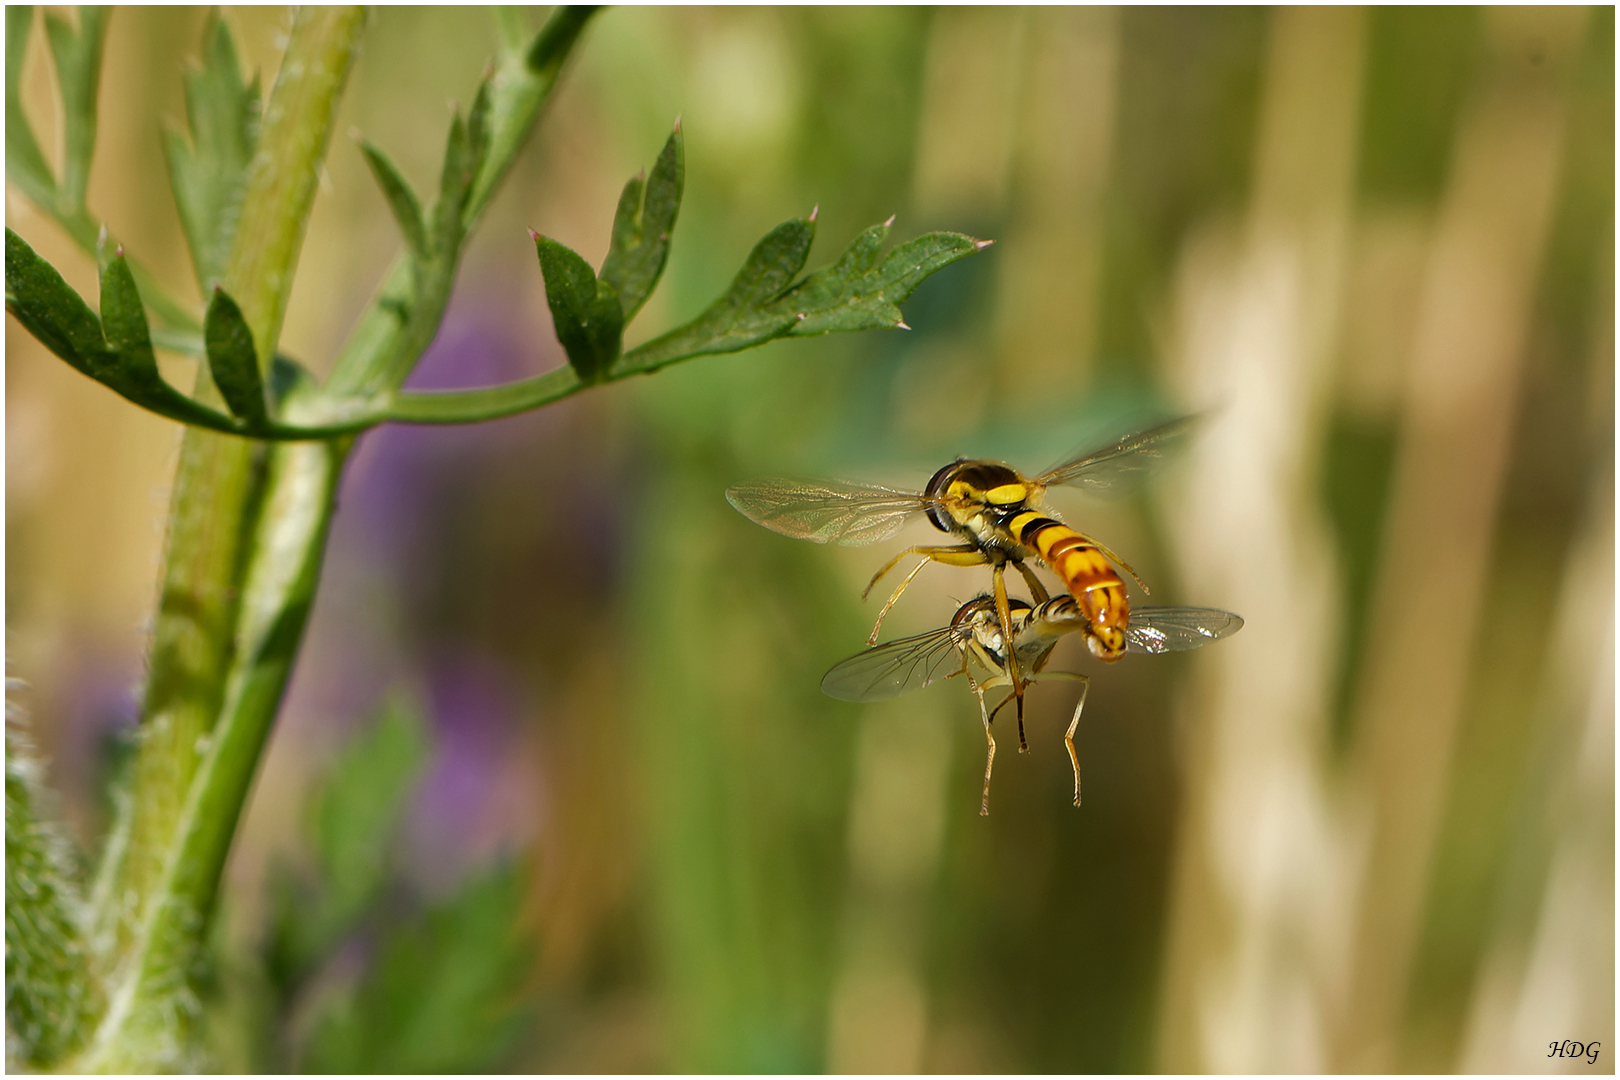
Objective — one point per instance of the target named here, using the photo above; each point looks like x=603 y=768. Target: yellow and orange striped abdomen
x=1088 y=575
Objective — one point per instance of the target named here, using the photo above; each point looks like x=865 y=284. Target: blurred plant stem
x=190 y=780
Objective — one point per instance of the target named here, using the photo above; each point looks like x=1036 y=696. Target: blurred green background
x=1373 y=831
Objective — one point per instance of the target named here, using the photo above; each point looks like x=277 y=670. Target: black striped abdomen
x=1087 y=574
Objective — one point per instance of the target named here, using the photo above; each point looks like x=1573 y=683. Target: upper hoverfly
x=974 y=640
x=996 y=511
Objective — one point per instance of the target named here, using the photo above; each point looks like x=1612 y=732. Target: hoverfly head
x=970 y=485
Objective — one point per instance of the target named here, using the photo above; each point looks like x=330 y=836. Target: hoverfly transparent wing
x=1122 y=464
x=897 y=667
x=1178 y=629
x=826 y=510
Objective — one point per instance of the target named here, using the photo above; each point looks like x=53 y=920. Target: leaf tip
x=534 y=236
x=901 y=325
x=678 y=123
x=980 y=245
x=814 y=210
x=355 y=134
x=118 y=251
x=890 y=222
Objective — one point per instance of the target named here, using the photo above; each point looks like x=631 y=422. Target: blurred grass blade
x=25 y=164
x=642 y=227
x=50 y=995
x=441 y=997
x=584 y=310
x=232 y=361
x=352 y=818
x=209 y=174
x=78 y=72
x=359 y=806
x=401 y=201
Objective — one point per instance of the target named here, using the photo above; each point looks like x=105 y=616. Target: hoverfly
x=996 y=511
x=974 y=639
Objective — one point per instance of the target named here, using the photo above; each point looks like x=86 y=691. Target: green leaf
x=401 y=200
x=232 y=360
x=741 y=317
x=584 y=310
x=78 y=74
x=557 y=37
x=642 y=227
x=855 y=293
x=478 y=134
x=25 y=164
x=209 y=174
x=123 y=322
x=123 y=361
x=441 y=996
x=49 y=309
x=852 y=294
x=464 y=154
x=50 y=996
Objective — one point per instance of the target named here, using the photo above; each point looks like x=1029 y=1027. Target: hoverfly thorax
x=975 y=498
x=977 y=621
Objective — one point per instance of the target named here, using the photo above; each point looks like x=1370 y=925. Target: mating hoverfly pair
x=994 y=640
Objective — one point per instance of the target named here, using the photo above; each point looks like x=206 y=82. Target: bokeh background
x=1373 y=831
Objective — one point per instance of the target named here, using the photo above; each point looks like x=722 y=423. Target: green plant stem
x=163 y=891
x=376 y=358
x=240 y=579
x=296 y=129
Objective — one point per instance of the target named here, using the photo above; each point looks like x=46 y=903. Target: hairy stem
x=157 y=910
x=249 y=526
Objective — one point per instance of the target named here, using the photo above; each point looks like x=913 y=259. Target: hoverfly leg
x=937 y=553
x=1119 y=562
x=1004 y=613
x=1023 y=747
x=990 y=753
x=1068 y=737
x=872 y=640
x=952 y=555
x=1037 y=591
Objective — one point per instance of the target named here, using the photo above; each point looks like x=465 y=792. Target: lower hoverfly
x=974 y=642
x=996 y=511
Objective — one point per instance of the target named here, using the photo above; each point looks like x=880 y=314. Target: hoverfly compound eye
x=937 y=484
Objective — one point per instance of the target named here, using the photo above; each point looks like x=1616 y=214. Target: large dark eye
x=936 y=487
